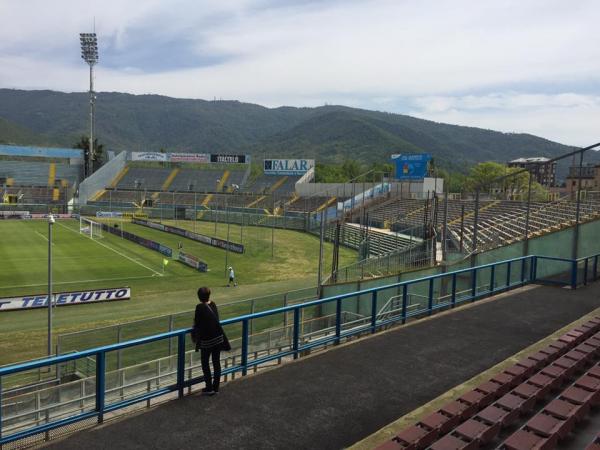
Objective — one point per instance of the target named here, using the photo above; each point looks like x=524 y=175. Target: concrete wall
x=101 y=178
x=417 y=188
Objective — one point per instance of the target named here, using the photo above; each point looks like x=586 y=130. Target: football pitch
x=273 y=262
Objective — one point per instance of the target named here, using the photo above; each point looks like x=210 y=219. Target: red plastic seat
x=570 y=365
x=528 y=390
x=527 y=440
x=518 y=371
x=554 y=371
x=590 y=350
x=476 y=430
x=493 y=389
x=460 y=409
x=560 y=346
x=541 y=358
x=395 y=445
x=544 y=382
x=592 y=342
x=496 y=414
x=578 y=396
x=530 y=365
x=507 y=378
x=513 y=402
x=440 y=422
x=452 y=442
x=477 y=398
x=549 y=426
x=594 y=371
x=581 y=358
x=588 y=383
x=583 y=330
x=551 y=352
x=564 y=409
x=416 y=437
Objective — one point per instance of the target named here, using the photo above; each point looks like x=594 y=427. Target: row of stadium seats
x=500 y=222
x=176 y=179
x=505 y=227
x=25 y=173
x=32 y=195
x=377 y=242
x=545 y=394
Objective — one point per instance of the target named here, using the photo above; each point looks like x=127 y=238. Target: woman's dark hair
x=203 y=294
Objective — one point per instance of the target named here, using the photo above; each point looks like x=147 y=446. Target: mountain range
x=327 y=133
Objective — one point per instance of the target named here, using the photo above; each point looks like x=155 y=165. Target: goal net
x=90 y=228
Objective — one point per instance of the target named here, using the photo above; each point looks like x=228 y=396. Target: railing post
x=533 y=276
x=585 y=271
x=100 y=384
x=574 y=274
x=404 y=302
x=119 y=352
x=244 y=347
x=474 y=284
x=0 y=409
x=492 y=278
x=523 y=271
x=508 y=275
x=430 y=297
x=180 y=363
x=595 y=266
x=296 y=331
x=170 y=340
x=453 y=295
x=338 y=320
x=373 y=311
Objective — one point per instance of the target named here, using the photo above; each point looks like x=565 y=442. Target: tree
x=84 y=144
x=482 y=174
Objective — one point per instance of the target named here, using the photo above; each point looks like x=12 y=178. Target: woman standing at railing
x=210 y=340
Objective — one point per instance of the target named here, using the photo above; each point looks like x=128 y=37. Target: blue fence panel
x=401 y=300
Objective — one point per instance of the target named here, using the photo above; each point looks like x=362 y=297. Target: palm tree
x=84 y=144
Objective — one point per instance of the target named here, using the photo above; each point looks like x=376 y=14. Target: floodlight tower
x=89 y=53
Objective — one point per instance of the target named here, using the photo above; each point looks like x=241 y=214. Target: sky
x=516 y=66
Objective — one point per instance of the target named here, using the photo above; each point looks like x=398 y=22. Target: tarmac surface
x=337 y=397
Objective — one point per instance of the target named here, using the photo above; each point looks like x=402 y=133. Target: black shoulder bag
x=226 y=346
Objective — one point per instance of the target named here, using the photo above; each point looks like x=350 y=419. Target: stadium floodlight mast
x=89 y=53
x=50 y=295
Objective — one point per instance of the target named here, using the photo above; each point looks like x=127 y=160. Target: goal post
x=90 y=228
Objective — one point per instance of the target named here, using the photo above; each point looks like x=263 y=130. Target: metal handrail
x=297 y=346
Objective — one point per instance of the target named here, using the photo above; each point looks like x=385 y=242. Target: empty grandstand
x=38 y=175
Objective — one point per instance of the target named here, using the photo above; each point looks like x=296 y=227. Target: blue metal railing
x=526 y=267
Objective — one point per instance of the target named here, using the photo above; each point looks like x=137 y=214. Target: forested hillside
x=327 y=133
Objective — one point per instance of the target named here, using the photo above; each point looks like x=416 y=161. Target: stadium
x=392 y=257
x=404 y=297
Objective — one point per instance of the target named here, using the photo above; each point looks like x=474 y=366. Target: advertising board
x=64 y=298
x=192 y=261
x=152 y=245
x=202 y=158
x=411 y=166
x=214 y=242
x=149 y=156
x=287 y=166
x=229 y=159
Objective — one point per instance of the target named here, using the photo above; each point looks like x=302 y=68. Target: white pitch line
x=116 y=251
x=79 y=281
x=44 y=237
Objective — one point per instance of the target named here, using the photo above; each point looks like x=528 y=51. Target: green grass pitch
x=83 y=263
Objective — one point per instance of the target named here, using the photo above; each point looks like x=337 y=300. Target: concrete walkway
x=335 y=398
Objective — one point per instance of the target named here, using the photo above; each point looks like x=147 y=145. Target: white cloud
x=567 y=118
x=374 y=53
